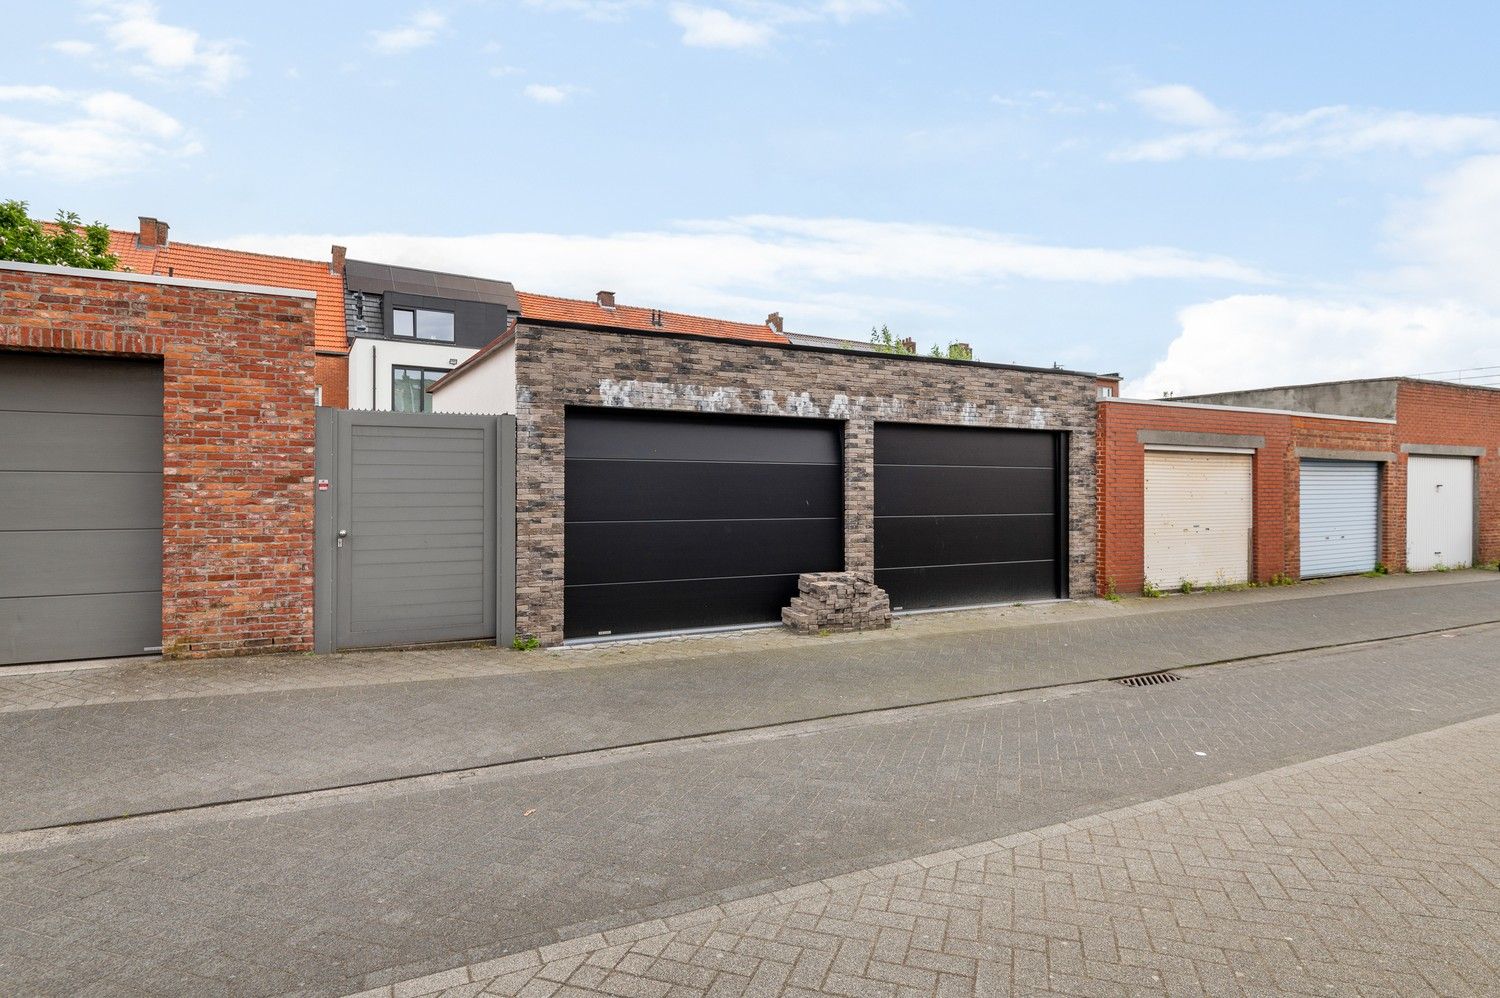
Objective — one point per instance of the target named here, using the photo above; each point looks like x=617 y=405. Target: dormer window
x=422 y=324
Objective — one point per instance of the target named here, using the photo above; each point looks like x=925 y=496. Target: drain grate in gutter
x=1149 y=679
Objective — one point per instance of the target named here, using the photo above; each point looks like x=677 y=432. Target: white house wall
x=370 y=363
x=488 y=388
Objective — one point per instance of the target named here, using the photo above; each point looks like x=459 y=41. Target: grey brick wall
x=561 y=367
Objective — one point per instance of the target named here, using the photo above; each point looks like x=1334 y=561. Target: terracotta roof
x=214 y=264
x=574 y=311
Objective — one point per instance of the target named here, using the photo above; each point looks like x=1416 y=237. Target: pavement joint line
x=267 y=805
x=583 y=945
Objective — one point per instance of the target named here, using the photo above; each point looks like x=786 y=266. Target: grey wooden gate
x=415 y=529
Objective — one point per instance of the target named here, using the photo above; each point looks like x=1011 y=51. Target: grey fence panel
x=412 y=524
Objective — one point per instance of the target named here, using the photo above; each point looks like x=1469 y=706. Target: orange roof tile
x=547 y=308
x=210 y=263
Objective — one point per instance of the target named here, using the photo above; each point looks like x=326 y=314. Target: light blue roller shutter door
x=1340 y=512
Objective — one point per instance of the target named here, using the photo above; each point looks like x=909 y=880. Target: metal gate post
x=505 y=532
x=325 y=577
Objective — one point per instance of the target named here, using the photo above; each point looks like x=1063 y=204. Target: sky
x=1199 y=196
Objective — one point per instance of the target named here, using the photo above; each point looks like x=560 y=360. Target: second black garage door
x=677 y=522
x=968 y=516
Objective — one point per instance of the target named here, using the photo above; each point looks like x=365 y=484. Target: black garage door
x=967 y=516
x=676 y=522
x=80 y=507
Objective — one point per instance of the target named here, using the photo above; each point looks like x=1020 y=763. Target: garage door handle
x=342 y=534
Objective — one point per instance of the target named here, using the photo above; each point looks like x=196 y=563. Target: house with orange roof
x=149 y=250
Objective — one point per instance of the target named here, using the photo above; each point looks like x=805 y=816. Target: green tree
x=953 y=351
x=67 y=242
x=885 y=341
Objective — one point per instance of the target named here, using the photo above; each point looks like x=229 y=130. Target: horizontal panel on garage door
x=675 y=522
x=1198 y=518
x=80 y=507
x=1340 y=517
x=966 y=516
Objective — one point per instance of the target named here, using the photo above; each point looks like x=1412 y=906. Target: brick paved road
x=366 y=891
x=98 y=761
x=1370 y=872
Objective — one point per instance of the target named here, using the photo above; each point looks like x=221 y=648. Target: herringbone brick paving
x=327 y=899
x=1374 y=872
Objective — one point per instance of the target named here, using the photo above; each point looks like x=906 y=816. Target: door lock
x=342 y=535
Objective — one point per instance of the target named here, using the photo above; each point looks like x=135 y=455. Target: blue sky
x=1200 y=197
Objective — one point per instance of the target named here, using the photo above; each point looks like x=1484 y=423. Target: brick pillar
x=859 y=495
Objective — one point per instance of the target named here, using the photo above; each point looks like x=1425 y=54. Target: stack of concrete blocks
x=837 y=601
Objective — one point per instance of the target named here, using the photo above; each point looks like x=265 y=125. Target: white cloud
x=594 y=10
x=1333 y=131
x=1450 y=235
x=73 y=47
x=86 y=136
x=1180 y=105
x=729 y=24
x=166 y=51
x=710 y=27
x=417 y=31
x=831 y=275
x=550 y=93
x=1437 y=309
x=1249 y=341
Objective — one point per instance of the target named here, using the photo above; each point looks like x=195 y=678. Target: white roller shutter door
x=1199 y=516
x=1339 y=510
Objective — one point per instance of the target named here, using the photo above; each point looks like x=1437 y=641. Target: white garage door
x=1198 y=518
x=1340 y=512
x=1439 y=513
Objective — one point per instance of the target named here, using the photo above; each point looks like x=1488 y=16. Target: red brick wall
x=1430 y=413
x=1337 y=434
x=237 y=438
x=331 y=374
x=1122 y=497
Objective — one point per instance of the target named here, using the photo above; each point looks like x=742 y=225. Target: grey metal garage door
x=676 y=522
x=80 y=507
x=1340 y=512
x=967 y=516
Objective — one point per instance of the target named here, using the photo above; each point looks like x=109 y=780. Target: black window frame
x=414 y=337
x=426 y=395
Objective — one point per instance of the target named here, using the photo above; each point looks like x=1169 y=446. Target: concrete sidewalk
x=100 y=761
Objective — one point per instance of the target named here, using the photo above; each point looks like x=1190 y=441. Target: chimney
x=606 y=299
x=774 y=322
x=152 y=234
x=336 y=259
x=909 y=344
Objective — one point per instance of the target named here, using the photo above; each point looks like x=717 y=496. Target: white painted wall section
x=486 y=389
x=371 y=360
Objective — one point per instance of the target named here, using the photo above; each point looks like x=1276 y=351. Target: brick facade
x=559 y=366
x=1444 y=415
x=331 y=374
x=238 y=370
x=1276 y=546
